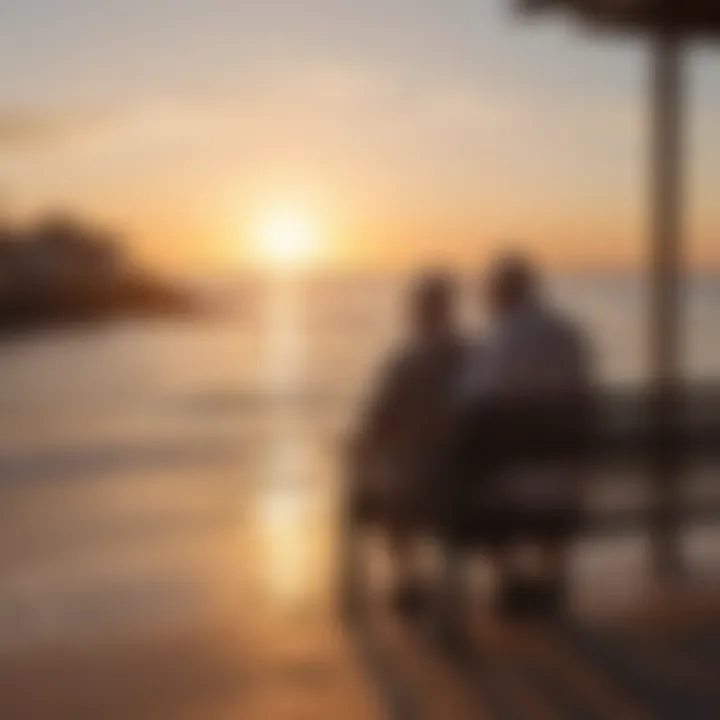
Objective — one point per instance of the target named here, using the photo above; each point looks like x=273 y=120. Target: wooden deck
x=649 y=653
x=659 y=661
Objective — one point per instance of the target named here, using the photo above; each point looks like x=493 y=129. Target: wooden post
x=350 y=561
x=666 y=273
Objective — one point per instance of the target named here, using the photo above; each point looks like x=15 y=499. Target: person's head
x=512 y=282
x=432 y=300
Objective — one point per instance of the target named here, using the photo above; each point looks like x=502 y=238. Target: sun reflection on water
x=284 y=494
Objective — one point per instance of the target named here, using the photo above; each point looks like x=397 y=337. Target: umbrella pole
x=666 y=269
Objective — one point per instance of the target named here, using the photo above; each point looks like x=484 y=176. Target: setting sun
x=288 y=236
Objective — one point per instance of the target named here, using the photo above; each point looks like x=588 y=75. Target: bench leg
x=543 y=594
x=450 y=605
x=351 y=576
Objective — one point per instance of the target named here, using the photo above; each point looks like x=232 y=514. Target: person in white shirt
x=532 y=379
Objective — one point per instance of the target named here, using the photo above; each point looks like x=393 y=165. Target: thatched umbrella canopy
x=686 y=17
x=668 y=24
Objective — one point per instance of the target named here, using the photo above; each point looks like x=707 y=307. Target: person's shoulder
x=460 y=351
x=401 y=357
x=572 y=339
x=462 y=345
x=565 y=327
x=392 y=373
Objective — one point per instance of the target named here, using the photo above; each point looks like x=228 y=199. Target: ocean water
x=297 y=338
x=158 y=471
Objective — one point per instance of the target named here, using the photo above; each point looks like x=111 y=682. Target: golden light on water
x=285 y=495
x=288 y=236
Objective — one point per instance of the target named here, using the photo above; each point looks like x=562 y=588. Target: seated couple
x=463 y=439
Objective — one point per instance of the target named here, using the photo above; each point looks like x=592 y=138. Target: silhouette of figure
x=403 y=427
x=528 y=390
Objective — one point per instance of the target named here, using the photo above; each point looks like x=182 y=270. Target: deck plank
x=440 y=691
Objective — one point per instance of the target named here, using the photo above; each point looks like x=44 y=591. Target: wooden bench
x=661 y=437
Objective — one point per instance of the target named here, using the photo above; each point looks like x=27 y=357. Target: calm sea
x=292 y=337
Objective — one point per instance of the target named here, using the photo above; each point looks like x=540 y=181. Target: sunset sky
x=406 y=130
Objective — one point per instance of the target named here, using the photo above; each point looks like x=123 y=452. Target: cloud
x=29 y=129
